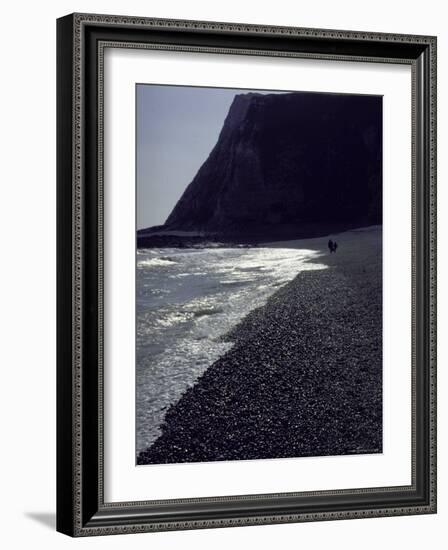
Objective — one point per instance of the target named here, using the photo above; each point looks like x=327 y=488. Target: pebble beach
x=304 y=374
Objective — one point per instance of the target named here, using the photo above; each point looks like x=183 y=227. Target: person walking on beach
x=332 y=246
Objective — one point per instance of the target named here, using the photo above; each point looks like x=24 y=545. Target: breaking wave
x=187 y=299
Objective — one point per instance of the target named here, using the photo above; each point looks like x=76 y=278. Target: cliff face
x=287 y=164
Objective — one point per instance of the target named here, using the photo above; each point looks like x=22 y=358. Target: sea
x=186 y=300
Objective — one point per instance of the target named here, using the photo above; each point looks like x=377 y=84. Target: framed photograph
x=246 y=274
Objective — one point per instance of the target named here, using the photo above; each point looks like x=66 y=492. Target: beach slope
x=304 y=376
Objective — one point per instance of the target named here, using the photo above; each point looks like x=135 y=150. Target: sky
x=177 y=127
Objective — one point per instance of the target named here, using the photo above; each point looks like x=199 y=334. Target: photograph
x=258 y=273
x=246 y=273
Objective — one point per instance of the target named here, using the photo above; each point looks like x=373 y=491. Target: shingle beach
x=304 y=376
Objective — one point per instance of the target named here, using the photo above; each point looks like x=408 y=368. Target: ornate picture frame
x=81 y=506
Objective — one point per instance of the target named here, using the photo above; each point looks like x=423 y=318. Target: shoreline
x=166 y=238
x=304 y=374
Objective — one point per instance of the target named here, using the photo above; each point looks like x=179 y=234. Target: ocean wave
x=236 y=282
x=207 y=311
x=155 y=262
x=187 y=301
x=173 y=318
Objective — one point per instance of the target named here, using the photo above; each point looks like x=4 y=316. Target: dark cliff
x=289 y=165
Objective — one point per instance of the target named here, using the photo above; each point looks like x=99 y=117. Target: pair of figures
x=332 y=246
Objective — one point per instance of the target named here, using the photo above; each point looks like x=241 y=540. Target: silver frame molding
x=81 y=509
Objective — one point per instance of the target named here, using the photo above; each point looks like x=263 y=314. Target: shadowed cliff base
x=304 y=377
x=160 y=237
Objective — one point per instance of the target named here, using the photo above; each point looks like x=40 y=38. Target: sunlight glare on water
x=186 y=300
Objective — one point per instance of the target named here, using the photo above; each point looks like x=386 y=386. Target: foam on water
x=148 y=262
x=186 y=300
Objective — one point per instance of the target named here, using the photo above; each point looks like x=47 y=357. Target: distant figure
x=332 y=246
